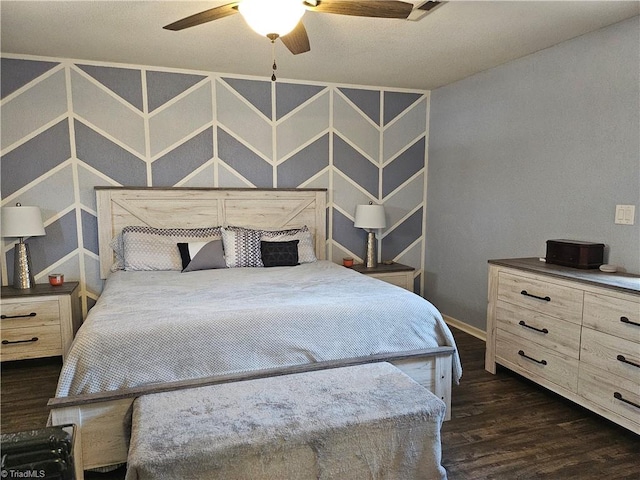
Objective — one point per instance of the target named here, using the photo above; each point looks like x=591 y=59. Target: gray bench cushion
x=361 y=422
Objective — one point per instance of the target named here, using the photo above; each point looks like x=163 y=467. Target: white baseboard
x=465 y=327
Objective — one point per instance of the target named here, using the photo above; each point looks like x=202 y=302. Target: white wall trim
x=465 y=327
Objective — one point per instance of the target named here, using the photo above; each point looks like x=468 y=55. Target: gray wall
x=539 y=148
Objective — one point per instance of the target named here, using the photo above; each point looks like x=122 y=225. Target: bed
x=154 y=331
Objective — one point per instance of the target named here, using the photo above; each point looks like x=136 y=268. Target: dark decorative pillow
x=201 y=255
x=306 y=247
x=279 y=254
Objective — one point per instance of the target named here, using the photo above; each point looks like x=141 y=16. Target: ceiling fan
x=282 y=18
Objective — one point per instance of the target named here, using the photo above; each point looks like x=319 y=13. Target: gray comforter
x=151 y=327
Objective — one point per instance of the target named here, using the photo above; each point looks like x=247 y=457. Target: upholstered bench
x=352 y=423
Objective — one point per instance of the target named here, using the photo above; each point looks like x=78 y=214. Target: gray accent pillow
x=201 y=255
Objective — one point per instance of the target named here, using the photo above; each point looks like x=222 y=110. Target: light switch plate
x=625 y=214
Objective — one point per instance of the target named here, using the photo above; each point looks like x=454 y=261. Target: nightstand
x=40 y=321
x=394 y=273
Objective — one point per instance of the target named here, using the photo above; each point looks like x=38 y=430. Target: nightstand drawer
x=612 y=315
x=393 y=273
x=31 y=342
x=400 y=279
x=537 y=362
x=50 y=314
x=541 y=296
x=29 y=314
x=550 y=332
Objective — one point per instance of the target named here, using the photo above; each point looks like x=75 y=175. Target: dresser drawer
x=536 y=361
x=615 y=394
x=612 y=354
x=557 y=335
x=29 y=314
x=31 y=342
x=539 y=295
x=612 y=315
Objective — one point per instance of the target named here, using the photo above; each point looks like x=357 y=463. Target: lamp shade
x=22 y=221
x=267 y=17
x=370 y=216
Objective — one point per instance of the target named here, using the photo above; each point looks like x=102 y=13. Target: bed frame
x=103 y=419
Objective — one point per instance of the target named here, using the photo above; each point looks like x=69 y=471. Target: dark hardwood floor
x=503 y=426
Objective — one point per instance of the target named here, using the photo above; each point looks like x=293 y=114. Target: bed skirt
x=363 y=422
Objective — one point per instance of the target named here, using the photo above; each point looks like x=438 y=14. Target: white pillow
x=118 y=249
x=147 y=248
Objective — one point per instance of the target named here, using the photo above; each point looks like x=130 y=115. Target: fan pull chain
x=273 y=55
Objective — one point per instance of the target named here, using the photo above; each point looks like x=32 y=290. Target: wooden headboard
x=179 y=207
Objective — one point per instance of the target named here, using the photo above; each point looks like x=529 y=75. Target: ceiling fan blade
x=204 y=17
x=423 y=9
x=429 y=6
x=297 y=41
x=364 y=8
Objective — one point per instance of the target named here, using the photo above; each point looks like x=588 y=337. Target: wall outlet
x=625 y=214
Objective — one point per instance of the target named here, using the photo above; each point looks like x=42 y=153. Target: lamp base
x=22 y=271
x=371 y=260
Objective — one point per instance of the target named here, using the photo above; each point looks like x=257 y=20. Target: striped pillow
x=241 y=247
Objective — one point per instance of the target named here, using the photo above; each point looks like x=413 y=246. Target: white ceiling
x=458 y=39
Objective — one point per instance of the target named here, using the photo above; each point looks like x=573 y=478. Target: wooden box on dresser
x=575 y=332
x=39 y=321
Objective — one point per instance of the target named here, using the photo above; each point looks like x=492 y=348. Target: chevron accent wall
x=68 y=126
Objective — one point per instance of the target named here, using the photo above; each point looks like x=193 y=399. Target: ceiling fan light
x=272 y=16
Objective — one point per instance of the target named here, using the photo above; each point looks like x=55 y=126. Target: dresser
x=394 y=273
x=39 y=322
x=575 y=332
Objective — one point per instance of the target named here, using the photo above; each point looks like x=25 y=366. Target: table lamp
x=370 y=217
x=22 y=222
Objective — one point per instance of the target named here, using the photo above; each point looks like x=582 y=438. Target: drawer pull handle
x=621 y=358
x=618 y=396
x=32 y=314
x=541 y=362
x=8 y=342
x=526 y=294
x=626 y=320
x=541 y=330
